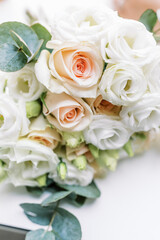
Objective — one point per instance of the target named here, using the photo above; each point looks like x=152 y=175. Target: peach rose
x=67 y=113
x=102 y=106
x=71 y=68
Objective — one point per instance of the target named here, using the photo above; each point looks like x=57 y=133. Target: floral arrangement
x=75 y=97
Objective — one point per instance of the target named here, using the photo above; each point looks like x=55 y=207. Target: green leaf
x=37 y=191
x=21 y=44
x=11 y=59
x=90 y=191
x=76 y=200
x=66 y=226
x=149 y=19
x=40 y=234
x=42 y=33
x=37 y=213
x=55 y=197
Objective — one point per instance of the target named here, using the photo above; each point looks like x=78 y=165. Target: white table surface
x=129 y=208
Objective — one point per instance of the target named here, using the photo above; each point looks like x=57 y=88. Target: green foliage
x=76 y=200
x=55 y=197
x=149 y=19
x=40 y=234
x=66 y=226
x=90 y=191
x=37 y=213
x=128 y=148
x=33 y=109
x=42 y=33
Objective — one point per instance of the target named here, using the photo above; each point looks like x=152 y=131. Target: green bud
x=3 y=173
x=62 y=170
x=42 y=180
x=80 y=162
x=73 y=139
x=109 y=159
x=33 y=109
x=128 y=148
x=1 y=120
x=94 y=150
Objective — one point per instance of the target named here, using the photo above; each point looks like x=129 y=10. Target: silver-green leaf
x=55 y=197
x=40 y=234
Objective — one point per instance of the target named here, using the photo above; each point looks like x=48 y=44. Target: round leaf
x=40 y=234
x=66 y=226
x=11 y=59
x=149 y=19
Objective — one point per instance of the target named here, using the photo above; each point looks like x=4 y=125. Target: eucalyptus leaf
x=76 y=200
x=42 y=33
x=38 y=214
x=11 y=59
x=37 y=191
x=90 y=191
x=66 y=226
x=55 y=197
x=40 y=234
x=21 y=44
x=25 y=32
x=149 y=19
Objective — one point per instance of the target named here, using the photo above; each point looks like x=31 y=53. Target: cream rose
x=123 y=84
x=67 y=113
x=31 y=160
x=129 y=41
x=74 y=175
x=71 y=68
x=143 y=115
x=101 y=106
x=13 y=120
x=86 y=24
x=23 y=84
x=41 y=132
x=107 y=133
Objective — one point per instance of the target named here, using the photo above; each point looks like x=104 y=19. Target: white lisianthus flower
x=152 y=72
x=123 y=83
x=143 y=115
x=107 y=133
x=24 y=85
x=41 y=131
x=74 y=175
x=67 y=113
x=13 y=120
x=87 y=24
x=71 y=68
x=129 y=41
x=31 y=161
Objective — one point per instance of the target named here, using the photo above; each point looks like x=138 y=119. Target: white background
x=129 y=207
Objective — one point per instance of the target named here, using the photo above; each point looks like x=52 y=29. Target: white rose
x=71 y=68
x=23 y=84
x=123 y=83
x=31 y=161
x=74 y=175
x=41 y=132
x=152 y=72
x=143 y=115
x=13 y=120
x=129 y=41
x=67 y=113
x=87 y=24
x=107 y=133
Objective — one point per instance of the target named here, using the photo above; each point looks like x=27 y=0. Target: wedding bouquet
x=75 y=97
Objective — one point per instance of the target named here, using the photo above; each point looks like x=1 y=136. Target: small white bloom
x=23 y=84
x=123 y=83
x=31 y=160
x=13 y=120
x=74 y=175
x=143 y=115
x=152 y=72
x=107 y=133
x=130 y=41
x=87 y=24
